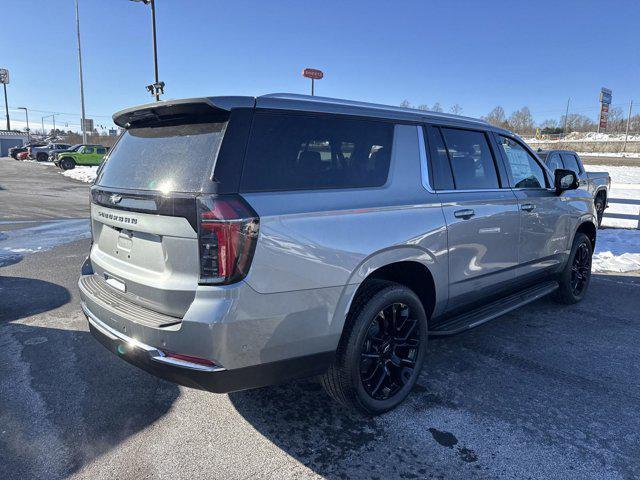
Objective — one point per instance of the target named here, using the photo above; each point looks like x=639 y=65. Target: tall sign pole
x=605 y=101
x=4 y=79
x=314 y=75
x=84 y=128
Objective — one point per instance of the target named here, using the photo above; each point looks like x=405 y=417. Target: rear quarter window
x=308 y=152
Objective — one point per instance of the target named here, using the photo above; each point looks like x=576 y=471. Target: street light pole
x=84 y=127
x=6 y=106
x=26 y=113
x=155 y=46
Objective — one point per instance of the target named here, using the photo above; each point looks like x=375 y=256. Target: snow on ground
x=14 y=244
x=84 y=174
x=574 y=137
x=625 y=184
x=605 y=154
x=617 y=250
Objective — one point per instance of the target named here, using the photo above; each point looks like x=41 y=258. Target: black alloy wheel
x=389 y=351
x=580 y=269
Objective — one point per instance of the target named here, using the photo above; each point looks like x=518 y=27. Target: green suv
x=85 y=155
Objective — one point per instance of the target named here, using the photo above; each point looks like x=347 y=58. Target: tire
x=42 y=157
x=576 y=273
x=67 y=163
x=599 y=206
x=368 y=353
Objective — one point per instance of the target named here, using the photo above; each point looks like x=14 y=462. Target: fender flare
x=374 y=262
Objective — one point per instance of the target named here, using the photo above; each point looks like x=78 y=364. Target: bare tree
x=424 y=106
x=521 y=121
x=549 y=123
x=497 y=117
x=436 y=107
x=616 y=122
x=405 y=103
x=577 y=122
x=456 y=109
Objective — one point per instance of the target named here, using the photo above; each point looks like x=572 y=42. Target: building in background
x=11 y=139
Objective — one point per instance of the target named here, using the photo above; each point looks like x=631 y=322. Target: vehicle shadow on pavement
x=547 y=391
x=64 y=398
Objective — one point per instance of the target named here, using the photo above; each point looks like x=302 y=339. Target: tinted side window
x=101 y=151
x=524 y=171
x=471 y=159
x=305 y=152
x=442 y=177
x=554 y=162
x=88 y=149
x=570 y=162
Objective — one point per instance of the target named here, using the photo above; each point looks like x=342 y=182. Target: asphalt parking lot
x=545 y=392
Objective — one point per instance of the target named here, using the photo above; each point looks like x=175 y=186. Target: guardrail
x=624 y=216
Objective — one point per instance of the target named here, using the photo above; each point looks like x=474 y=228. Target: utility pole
x=626 y=135
x=84 y=127
x=566 y=114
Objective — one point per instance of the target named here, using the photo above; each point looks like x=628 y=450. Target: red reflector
x=189 y=358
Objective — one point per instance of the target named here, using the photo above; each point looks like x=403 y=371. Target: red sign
x=312 y=73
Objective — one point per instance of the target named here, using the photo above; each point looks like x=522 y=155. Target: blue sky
x=476 y=53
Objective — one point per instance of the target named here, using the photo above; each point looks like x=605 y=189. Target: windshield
x=176 y=158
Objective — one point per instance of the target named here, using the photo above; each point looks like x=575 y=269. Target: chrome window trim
x=424 y=165
x=478 y=190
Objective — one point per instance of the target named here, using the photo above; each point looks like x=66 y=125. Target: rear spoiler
x=171 y=108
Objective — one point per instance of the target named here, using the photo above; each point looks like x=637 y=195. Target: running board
x=493 y=310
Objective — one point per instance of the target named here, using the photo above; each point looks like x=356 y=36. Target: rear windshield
x=308 y=152
x=176 y=158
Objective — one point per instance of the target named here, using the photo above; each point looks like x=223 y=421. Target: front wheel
x=42 y=157
x=67 y=163
x=574 y=279
x=381 y=351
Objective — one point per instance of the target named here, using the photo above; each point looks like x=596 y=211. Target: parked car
x=85 y=155
x=54 y=155
x=240 y=242
x=14 y=151
x=22 y=155
x=596 y=183
x=41 y=153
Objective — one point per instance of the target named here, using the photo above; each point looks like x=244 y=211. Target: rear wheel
x=599 y=206
x=42 y=157
x=574 y=279
x=67 y=163
x=381 y=351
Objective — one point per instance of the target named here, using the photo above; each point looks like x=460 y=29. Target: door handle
x=527 y=207
x=466 y=213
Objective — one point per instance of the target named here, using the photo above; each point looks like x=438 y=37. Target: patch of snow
x=575 y=137
x=605 y=154
x=15 y=243
x=617 y=250
x=83 y=174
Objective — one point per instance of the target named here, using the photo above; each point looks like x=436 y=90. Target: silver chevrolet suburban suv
x=240 y=242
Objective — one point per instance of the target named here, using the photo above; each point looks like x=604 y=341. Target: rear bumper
x=211 y=378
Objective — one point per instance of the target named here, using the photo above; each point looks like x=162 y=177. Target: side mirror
x=564 y=180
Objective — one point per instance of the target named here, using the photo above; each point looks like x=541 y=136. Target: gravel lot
x=545 y=392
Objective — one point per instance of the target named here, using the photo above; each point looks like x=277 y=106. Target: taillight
x=227 y=236
x=29 y=150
